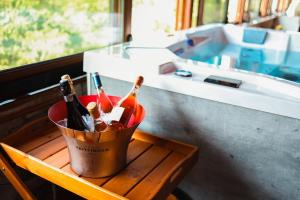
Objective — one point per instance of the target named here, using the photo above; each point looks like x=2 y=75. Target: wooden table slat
x=164 y=143
x=135 y=149
x=48 y=149
x=68 y=169
x=150 y=185
x=152 y=164
x=59 y=159
x=36 y=142
x=136 y=171
x=53 y=174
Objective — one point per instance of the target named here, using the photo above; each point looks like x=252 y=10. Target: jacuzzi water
x=280 y=64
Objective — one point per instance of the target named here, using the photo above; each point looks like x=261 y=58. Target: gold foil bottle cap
x=65 y=77
x=93 y=110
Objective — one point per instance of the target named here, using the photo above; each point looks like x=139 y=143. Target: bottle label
x=116 y=113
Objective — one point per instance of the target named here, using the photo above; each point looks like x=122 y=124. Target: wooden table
x=154 y=165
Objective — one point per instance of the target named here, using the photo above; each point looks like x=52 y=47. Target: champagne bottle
x=128 y=104
x=103 y=101
x=82 y=110
x=100 y=125
x=74 y=117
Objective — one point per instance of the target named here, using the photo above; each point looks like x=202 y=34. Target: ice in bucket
x=96 y=154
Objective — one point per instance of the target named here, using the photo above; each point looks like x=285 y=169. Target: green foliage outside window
x=38 y=30
x=214 y=11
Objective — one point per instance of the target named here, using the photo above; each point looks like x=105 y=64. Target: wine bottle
x=126 y=107
x=82 y=110
x=74 y=118
x=100 y=125
x=103 y=101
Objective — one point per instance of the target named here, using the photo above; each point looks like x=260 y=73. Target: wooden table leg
x=14 y=179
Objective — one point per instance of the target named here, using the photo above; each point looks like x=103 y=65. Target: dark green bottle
x=74 y=117
x=83 y=111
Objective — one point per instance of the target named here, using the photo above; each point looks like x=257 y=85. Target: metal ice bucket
x=96 y=155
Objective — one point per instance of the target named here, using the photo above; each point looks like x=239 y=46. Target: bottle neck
x=100 y=90
x=134 y=90
x=71 y=85
x=72 y=88
x=97 y=81
x=69 y=98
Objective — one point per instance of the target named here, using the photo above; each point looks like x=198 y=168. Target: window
x=274 y=6
x=252 y=8
x=42 y=40
x=214 y=11
x=151 y=18
x=269 y=9
x=35 y=31
x=235 y=11
x=293 y=9
x=195 y=13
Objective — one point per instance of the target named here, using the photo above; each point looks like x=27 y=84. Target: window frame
x=33 y=75
x=264 y=8
x=184 y=10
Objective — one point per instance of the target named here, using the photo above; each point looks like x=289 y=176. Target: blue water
x=285 y=65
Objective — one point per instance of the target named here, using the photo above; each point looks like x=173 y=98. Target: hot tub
x=258 y=51
x=248 y=136
x=269 y=72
